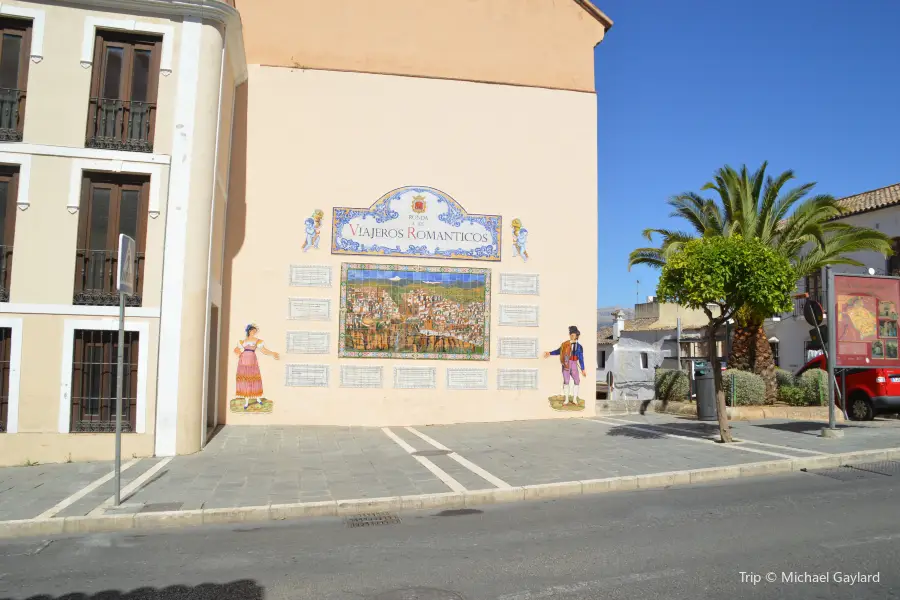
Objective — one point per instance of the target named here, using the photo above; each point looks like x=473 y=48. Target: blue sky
x=686 y=87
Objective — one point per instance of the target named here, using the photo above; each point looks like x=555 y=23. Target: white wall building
x=878 y=209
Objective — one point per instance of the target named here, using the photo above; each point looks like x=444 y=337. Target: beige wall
x=545 y=43
x=59 y=87
x=44 y=350
x=317 y=139
x=191 y=376
x=42 y=276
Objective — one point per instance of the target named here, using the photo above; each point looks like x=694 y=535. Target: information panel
x=867 y=317
x=309 y=309
x=306 y=375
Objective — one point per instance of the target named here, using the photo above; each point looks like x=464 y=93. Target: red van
x=870 y=392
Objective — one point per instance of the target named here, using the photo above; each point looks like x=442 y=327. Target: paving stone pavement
x=804 y=435
x=26 y=492
x=256 y=466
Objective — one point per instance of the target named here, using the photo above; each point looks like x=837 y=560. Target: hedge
x=814 y=384
x=785 y=378
x=671 y=385
x=750 y=389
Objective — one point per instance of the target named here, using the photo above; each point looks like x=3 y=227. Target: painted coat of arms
x=416 y=221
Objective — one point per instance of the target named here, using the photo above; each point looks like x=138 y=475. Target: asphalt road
x=693 y=542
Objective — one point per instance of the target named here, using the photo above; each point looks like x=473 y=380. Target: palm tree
x=800 y=227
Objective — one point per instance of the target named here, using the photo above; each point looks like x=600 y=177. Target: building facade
x=264 y=167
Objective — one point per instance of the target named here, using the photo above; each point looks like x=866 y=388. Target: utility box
x=705 y=381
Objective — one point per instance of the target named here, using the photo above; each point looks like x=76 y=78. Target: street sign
x=813 y=313
x=125 y=271
x=814 y=336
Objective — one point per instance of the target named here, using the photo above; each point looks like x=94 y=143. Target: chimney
x=618 y=324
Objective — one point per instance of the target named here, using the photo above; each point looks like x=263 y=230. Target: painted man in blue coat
x=571 y=356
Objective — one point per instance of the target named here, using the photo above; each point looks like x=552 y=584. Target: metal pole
x=732 y=390
x=831 y=357
x=678 y=341
x=119 y=379
x=844 y=394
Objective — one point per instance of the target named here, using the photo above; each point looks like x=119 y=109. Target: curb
x=446 y=500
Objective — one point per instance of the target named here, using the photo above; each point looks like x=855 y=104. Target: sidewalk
x=263 y=466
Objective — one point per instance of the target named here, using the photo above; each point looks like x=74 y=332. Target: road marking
x=51 y=512
x=438 y=472
x=589 y=586
x=461 y=460
x=132 y=487
x=742 y=440
x=870 y=540
x=701 y=440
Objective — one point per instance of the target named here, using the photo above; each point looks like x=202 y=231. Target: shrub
x=814 y=384
x=671 y=385
x=792 y=395
x=785 y=378
x=750 y=389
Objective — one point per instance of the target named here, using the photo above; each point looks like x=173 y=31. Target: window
x=94 y=372
x=645 y=360
x=122 y=113
x=775 y=357
x=9 y=189
x=814 y=286
x=15 y=48
x=5 y=349
x=110 y=204
x=601 y=359
x=893 y=262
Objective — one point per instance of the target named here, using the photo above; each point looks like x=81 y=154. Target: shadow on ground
x=236 y=590
x=639 y=434
x=807 y=427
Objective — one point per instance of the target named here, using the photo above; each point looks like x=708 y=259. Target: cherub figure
x=310 y=234
x=522 y=244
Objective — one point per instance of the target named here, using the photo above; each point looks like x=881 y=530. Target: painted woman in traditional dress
x=249 y=380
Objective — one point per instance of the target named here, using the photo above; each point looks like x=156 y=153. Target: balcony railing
x=799 y=303
x=12 y=109
x=95 y=278
x=121 y=125
x=6 y=255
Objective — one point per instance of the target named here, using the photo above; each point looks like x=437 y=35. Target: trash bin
x=705 y=382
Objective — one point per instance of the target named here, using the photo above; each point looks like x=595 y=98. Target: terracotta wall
x=546 y=43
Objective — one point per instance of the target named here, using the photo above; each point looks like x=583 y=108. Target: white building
x=878 y=209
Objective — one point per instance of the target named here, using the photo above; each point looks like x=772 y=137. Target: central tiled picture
x=409 y=311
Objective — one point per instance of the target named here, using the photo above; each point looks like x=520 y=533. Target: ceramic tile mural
x=403 y=311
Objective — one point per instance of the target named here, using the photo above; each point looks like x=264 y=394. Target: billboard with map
x=866 y=309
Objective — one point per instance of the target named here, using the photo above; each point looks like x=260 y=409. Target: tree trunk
x=741 y=355
x=750 y=351
x=721 y=411
x=765 y=365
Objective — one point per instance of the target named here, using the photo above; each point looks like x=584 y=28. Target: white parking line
x=742 y=439
x=647 y=428
x=461 y=460
x=591 y=586
x=862 y=542
x=132 y=487
x=51 y=512
x=439 y=472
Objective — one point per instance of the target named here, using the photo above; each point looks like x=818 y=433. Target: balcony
x=12 y=110
x=121 y=125
x=6 y=255
x=95 y=279
x=799 y=303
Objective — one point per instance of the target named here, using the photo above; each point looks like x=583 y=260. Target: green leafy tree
x=797 y=225
x=723 y=275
